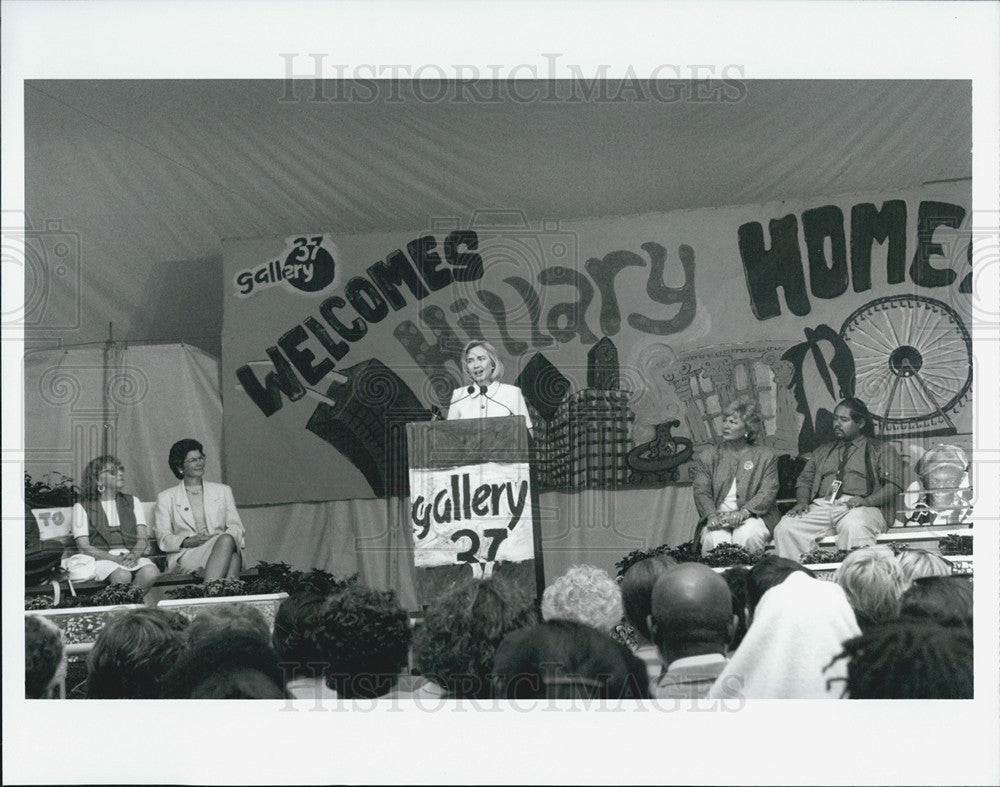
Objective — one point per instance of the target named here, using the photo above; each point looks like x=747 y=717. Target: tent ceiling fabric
x=153 y=174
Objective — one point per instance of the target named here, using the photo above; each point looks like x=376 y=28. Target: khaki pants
x=854 y=527
x=752 y=535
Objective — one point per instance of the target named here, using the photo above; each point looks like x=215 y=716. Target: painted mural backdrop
x=627 y=335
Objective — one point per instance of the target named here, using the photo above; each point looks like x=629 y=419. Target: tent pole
x=105 y=399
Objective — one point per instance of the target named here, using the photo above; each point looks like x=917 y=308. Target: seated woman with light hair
x=873 y=582
x=917 y=563
x=735 y=483
x=585 y=594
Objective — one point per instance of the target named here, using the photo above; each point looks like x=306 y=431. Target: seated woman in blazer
x=735 y=483
x=197 y=524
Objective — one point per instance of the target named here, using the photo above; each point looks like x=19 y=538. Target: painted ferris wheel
x=913 y=361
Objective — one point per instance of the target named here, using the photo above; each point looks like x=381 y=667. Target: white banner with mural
x=627 y=335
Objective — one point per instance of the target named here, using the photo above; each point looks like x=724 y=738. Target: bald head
x=692 y=609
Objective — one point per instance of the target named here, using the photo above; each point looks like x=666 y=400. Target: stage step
x=909 y=535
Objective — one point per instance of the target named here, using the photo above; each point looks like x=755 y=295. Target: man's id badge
x=834 y=489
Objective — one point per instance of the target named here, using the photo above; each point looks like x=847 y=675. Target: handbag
x=81 y=568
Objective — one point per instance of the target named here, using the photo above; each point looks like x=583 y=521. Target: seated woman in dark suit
x=197 y=524
x=735 y=483
x=110 y=526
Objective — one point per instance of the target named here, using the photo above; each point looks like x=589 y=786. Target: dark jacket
x=97 y=522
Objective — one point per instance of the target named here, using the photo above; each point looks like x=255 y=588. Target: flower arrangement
x=270 y=578
x=112 y=595
x=722 y=556
x=955 y=545
x=55 y=490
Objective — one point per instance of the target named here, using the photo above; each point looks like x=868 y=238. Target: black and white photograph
x=462 y=383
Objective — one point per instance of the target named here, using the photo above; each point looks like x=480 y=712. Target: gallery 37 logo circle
x=308 y=263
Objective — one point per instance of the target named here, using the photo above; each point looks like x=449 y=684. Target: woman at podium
x=485 y=396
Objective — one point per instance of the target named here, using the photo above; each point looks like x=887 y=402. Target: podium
x=472 y=508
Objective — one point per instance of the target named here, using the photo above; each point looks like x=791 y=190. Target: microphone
x=505 y=407
x=468 y=392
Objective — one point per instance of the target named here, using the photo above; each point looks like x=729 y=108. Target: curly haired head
x=585 y=594
x=43 y=655
x=178 y=453
x=909 y=660
x=747 y=409
x=231 y=665
x=133 y=654
x=462 y=628
x=296 y=629
x=363 y=635
x=873 y=582
x=227 y=618
x=945 y=600
x=96 y=466
x=564 y=659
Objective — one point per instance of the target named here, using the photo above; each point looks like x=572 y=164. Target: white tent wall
x=134 y=401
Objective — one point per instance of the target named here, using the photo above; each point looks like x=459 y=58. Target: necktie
x=845 y=454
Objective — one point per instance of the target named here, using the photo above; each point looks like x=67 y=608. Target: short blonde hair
x=586 y=594
x=917 y=563
x=747 y=409
x=491 y=351
x=873 y=582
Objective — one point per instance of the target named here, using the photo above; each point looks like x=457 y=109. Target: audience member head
x=229 y=618
x=133 y=654
x=917 y=563
x=363 y=636
x=945 y=600
x=909 y=660
x=90 y=486
x=296 y=638
x=692 y=612
x=585 y=594
x=768 y=572
x=799 y=626
x=462 y=628
x=873 y=583
x=564 y=659
x=637 y=590
x=736 y=579
x=179 y=452
x=44 y=656
x=226 y=665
